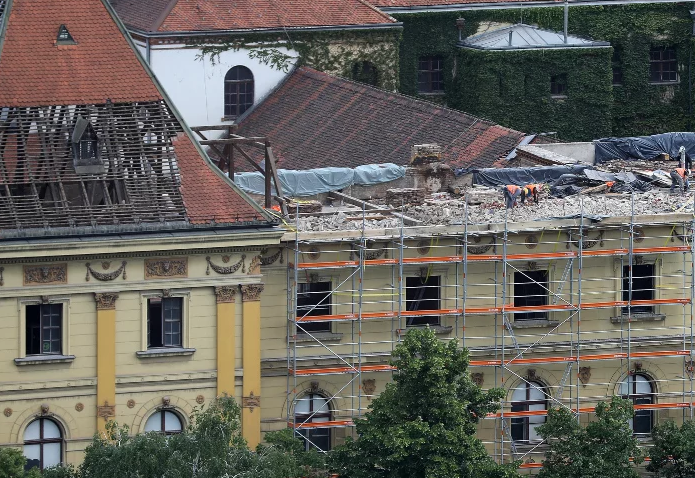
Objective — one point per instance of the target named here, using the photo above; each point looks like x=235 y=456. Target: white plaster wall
x=196 y=86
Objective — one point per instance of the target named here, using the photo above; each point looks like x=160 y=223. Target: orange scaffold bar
x=346 y=369
x=536 y=413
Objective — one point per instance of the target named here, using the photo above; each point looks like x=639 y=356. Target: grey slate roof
x=527 y=37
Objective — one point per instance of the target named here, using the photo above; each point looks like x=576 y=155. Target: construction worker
x=530 y=190
x=511 y=193
x=679 y=176
x=684 y=160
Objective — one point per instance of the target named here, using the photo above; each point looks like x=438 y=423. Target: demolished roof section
x=316 y=120
x=131 y=163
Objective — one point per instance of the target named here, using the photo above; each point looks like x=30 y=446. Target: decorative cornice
x=106 y=276
x=251 y=292
x=48 y=274
x=106 y=301
x=225 y=270
x=177 y=267
x=225 y=294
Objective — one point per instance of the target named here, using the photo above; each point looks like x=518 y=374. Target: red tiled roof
x=316 y=120
x=210 y=15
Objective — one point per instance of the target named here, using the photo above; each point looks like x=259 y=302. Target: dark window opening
x=531 y=290
x=528 y=397
x=164 y=320
x=365 y=72
x=558 y=85
x=617 y=68
x=314 y=408
x=430 y=76
x=238 y=91
x=638 y=389
x=642 y=287
x=313 y=299
x=422 y=294
x=44 y=333
x=663 y=65
x=64 y=37
x=86 y=148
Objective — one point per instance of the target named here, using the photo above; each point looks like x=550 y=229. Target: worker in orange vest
x=530 y=190
x=679 y=176
x=511 y=193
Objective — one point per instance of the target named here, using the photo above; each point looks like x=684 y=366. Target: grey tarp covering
x=644 y=147
x=521 y=176
x=322 y=180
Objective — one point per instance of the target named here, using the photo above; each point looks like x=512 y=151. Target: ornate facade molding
x=225 y=270
x=48 y=274
x=225 y=293
x=105 y=276
x=255 y=266
x=106 y=301
x=478 y=378
x=155 y=268
x=584 y=375
x=251 y=402
x=370 y=253
x=2 y=279
x=106 y=411
x=481 y=249
x=268 y=260
x=586 y=243
x=251 y=292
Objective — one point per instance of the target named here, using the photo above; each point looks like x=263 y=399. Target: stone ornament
x=690 y=368
x=225 y=294
x=423 y=247
x=531 y=241
x=478 y=378
x=370 y=253
x=313 y=253
x=251 y=402
x=7 y=412
x=225 y=270
x=584 y=375
x=130 y=403
x=369 y=387
x=251 y=292
x=79 y=407
x=255 y=266
x=314 y=386
x=106 y=301
x=105 y=411
x=45 y=408
x=586 y=243
x=172 y=268
x=105 y=276
x=480 y=249
x=2 y=279
x=199 y=399
x=638 y=234
x=51 y=274
x=166 y=401
x=268 y=260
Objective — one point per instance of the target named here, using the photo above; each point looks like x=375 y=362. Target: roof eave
x=216 y=33
x=537 y=47
x=510 y=5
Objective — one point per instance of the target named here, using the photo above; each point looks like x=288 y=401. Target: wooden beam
x=250 y=141
x=369 y=206
x=223 y=127
x=276 y=179
x=248 y=158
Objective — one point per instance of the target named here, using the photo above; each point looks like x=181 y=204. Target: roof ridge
x=384 y=14
x=163 y=16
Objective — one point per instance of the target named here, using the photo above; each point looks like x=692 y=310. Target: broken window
x=313 y=299
x=663 y=65
x=531 y=290
x=558 y=85
x=164 y=322
x=85 y=148
x=430 y=74
x=44 y=323
x=422 y=293
x=365 y=72
x=642 y=287
x=238 y=91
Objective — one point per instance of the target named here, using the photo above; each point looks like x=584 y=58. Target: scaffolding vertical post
x=631 y=260
x=504 y=316
x=363 y=245
x=464 y=255
x=580 y=265
x=692 y=298
x=294 y=319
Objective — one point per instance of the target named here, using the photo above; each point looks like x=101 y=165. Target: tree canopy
x=673 y=453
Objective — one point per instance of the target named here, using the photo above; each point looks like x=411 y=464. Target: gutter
x=460 y=7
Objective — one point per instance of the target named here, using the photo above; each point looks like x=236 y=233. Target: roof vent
x=86 y=149
x=64 y=37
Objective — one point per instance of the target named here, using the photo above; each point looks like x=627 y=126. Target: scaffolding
x=486 y=267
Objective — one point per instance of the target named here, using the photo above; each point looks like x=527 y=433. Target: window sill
x=432 y=93
x=322 y=336
x=664 y=83
x=438 y=329
x=558 y=97
x=164 y=352
x=41 y=359
x=623 y=319
x=534 y=323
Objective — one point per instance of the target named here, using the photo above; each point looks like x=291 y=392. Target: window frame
x=41 y=442
x=426 y=319
x=617 y=67
x=162 y=428
x=661 y=62
x=430 y=73
x=525 y=404
x=528 y=316
x=319 y=327
x=233 y=110
x=65 y=325
x=623 y=293
x=560 y=79
x=185 y=295
x=365 y=72
x=636 y=399
x=310 y=416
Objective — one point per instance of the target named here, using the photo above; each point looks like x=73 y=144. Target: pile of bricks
x=304 y=206
x=396 y=197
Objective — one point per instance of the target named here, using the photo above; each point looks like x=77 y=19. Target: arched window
x=166 y=422
x=639 y=389
x=43 y=444
x=238 y=91
x=312 y=410
x=365 y=72
x=528 y=397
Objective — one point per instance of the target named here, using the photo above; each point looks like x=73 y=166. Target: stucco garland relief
x=586 y=242
x=48 y=274
x=268 y=260
x=155 y=268
x=483 y=248
x=105 y=276
x=226 y=270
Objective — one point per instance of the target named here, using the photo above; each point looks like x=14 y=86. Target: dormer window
x=64 y=37
x=86 y=150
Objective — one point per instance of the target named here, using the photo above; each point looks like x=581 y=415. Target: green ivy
x=594 y=107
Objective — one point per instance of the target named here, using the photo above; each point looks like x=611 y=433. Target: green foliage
x=673 y=453
x=12 y=464
x=603 y=448
x=636 y=107
x=424 y=424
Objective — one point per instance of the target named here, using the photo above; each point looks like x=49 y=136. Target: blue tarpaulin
x=644 y=147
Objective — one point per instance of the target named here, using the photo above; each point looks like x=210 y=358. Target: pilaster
x=106 y=358
x=251 y=357
x=226 y=339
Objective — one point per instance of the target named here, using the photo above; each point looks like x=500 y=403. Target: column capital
x=225 y=293
x=251 y=292
x=106 y=300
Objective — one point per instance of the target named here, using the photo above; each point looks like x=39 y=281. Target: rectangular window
x=430 y=74
x=314 y=299
x=44 y=329
x=164 y=322
x=531 y=290
x=558 y=85
x=642 y=287
x=617 y=68
x=663 y=65
x=422 y=294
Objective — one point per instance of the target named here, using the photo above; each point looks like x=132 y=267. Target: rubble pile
x=405 y=196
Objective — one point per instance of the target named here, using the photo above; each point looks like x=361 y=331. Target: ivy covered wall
x=637 y=107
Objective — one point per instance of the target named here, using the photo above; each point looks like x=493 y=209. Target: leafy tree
x=12 y=463
x=673 y=453
x=604 y=448
x=423 y=425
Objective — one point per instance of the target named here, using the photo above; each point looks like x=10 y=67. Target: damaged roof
x=316 y=120
x=213 y=15
x=132 y=162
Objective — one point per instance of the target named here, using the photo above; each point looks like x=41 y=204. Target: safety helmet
x=687 y=172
